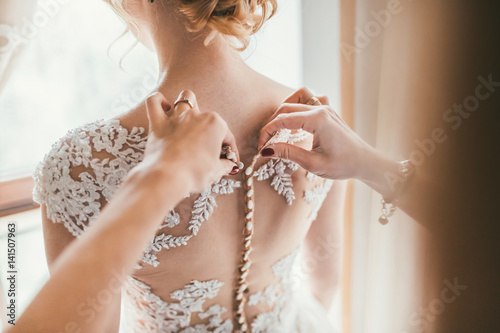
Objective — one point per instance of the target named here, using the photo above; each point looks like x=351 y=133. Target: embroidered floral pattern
x=160 y=242
x=146 y=312
x=316 y=196
x=171 y=220
x=311 y=176
x=203 y=207
x=75 y=200
x=282 y=181
x=278 y=294
x=205 y=204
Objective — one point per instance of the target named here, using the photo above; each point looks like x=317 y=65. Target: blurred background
x=397 y=71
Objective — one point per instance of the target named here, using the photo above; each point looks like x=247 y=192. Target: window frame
x=16 y=196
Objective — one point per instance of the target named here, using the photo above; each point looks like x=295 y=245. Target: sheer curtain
x=376 y=54
x=390 y=56
x=395 y=62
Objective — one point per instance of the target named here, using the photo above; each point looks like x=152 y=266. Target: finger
x=290 y=108
x=305 y=120
x=300 y=96
x=305 y=158
x=324 y=100
x=156 y=106
x=180 y=106
x=230 y=141
x=313 y=101
x=226 y=167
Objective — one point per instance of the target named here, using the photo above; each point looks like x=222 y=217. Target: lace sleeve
x=83 y=170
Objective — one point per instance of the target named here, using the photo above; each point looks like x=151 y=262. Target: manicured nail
x=235 y=170
x=267 y=152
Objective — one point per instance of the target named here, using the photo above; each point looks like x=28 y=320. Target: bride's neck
x=191 y=63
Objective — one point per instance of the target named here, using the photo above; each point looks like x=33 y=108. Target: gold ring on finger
x=313 y=101
x=184 y=100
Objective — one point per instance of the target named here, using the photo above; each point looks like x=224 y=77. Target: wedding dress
x=106 y=152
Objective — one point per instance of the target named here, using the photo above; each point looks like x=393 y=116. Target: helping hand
x=337 y=152
x=187 y=142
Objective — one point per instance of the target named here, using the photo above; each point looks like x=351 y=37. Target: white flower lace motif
x=106 y=152
x=75 y=201
x=146 y=312
x=279 y=295
x=316 y=196
x=282 y=181
x=203 y=208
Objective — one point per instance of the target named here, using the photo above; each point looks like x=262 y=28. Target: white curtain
x=380 y=61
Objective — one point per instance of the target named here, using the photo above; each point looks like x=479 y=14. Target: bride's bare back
x=201 y=239
x=187 y=275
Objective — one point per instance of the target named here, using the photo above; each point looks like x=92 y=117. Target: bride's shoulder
x=275 y=90
x=83 y=142
x=87 y=159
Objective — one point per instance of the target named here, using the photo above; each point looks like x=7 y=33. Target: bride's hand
x=185 y=142
x=337 y=152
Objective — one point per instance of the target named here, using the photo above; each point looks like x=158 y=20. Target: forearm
x=111 y=248
x=381 y=174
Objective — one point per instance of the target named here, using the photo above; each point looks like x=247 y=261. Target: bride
x=186 y=279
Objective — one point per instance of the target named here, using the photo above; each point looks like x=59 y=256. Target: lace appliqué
x=276 y=167
x=286 y=135
x=311 y=176
x=76 y=203
x=171 y=220
x=316 y=196
x=278 y=294
x=282 y=181
x=203 y=208
x=146 y=312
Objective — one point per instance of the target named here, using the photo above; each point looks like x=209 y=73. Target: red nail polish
x=235 y=170
x=266 y=152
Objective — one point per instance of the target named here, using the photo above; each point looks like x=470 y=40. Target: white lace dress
x=76 y=200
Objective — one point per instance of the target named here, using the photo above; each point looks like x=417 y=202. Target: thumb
x=226 y=167
x=303 y=157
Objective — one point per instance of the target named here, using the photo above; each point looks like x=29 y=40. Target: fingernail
x=266 y=152
x=235 y=170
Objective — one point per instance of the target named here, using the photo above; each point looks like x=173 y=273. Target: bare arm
x=57 y=238
x=323 y=246
x=339 y=153
x=105 y=255
x=58 y=306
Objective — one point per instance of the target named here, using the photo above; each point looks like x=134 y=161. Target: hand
x=337 y=152
x=186 y=142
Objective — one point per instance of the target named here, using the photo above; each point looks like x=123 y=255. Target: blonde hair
x=230 y=18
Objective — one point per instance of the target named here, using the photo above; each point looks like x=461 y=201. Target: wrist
x=380 y=173
x=162 y=179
